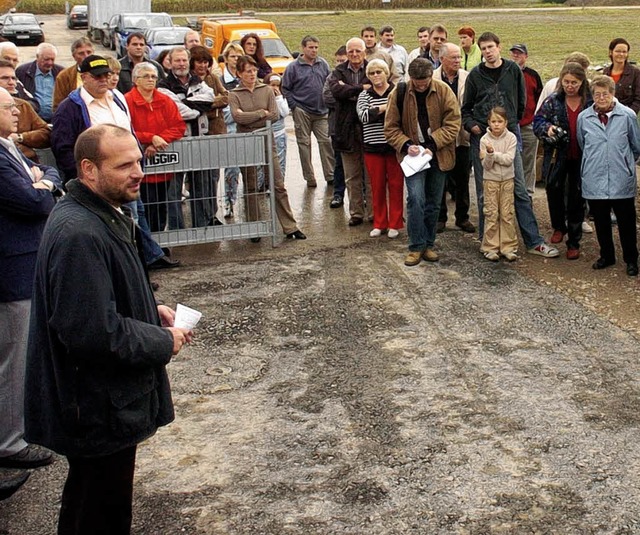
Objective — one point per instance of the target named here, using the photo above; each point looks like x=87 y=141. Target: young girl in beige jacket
x=497 y=151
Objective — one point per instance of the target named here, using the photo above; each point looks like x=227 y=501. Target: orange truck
x=216 y=33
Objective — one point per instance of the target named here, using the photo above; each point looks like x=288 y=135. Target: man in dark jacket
x=39 y=77
x=136 y=48
x=346 y=82
x=96 y=378
x=500 y=82
x=26 y=198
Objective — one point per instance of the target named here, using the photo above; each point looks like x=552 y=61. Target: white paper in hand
x=186 y=318
x=412 y=164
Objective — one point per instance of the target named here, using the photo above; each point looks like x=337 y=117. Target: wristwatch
x=20 y=138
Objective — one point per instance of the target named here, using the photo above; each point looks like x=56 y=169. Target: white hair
x=356 y=40
x=447 y=48
x=8 y=45
x=45 y=46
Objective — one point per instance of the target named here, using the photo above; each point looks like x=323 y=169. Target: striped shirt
x=372 y=120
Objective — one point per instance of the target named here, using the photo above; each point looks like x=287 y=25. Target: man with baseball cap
x=533 y=88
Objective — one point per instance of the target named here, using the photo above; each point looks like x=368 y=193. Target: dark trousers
x=459 y=178
x=98 y=494
x=338 y=176
x=625 y=210
x=564 y=197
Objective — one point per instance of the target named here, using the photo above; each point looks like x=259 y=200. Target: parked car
x=21 y=28
x=77 y=17
x=158 y=39
x=123 y=24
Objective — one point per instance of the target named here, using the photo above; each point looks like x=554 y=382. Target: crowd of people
x=96 y=382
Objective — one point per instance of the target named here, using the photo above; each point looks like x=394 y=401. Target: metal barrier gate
x=213 y=152
x=217 y=152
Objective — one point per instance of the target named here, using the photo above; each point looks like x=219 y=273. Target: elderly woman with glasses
x=610 y=140
x=387 y=180
x=156 y=122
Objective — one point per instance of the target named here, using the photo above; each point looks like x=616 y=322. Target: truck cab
x=216 y=34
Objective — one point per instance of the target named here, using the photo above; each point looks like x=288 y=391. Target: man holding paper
x=98 y=343
x=423 y=119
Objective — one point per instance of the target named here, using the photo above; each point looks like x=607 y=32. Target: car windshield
x=146 y=21
x=168 y=37
x=79 y=9
x=22 y=19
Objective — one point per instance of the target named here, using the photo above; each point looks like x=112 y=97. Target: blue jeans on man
x=424 y=195
x=524 y=208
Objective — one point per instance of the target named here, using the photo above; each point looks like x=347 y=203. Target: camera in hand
x=560 y=136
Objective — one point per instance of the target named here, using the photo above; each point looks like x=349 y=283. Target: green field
x=549 y=35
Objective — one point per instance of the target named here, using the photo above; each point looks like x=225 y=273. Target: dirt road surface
x=333 y=390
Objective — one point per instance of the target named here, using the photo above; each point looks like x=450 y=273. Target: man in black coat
x=98 y=343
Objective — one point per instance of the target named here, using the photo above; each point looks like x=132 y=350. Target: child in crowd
x=497 y=151
x=274 y=81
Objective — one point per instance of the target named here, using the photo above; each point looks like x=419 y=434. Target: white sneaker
x=490 y=255
x=511 y=257
x=544 y=250
x=586 y=228
x=376 y=232
x=393 y=233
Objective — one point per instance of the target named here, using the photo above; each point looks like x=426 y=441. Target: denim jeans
x=424 y=194
x=176 y=216
x=150 y=249
x=231 y=174
x=281 y=150
x=338 y=177
x=524 y=207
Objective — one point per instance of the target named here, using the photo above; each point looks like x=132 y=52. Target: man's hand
x=167 y=315
x=476 y=130
x=38 y=175
x=180 y=338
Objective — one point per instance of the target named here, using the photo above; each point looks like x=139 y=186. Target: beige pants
x=356 y=180
x=252 y=196
x=499 y=217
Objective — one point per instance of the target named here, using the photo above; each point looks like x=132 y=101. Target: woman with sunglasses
x=387 y=180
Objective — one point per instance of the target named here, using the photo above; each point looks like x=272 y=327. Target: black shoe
x=155 y=286
x=440 y=226
x=632 y=269
x=166 y=251
x=296 y=235
x=330 y=182
x=355 y=221
x=30 y=456
x=11 y=481
x=217 y=222
x=336 y=202
x=164 y=262
x=466 y=226
x=255 y=240
x=602 y=263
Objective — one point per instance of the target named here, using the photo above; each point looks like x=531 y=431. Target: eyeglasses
x=601 y=95
x=376 y=72
x=149 y=77
x=8 y=106
x=7 y=78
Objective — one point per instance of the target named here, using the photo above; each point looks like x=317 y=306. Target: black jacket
x=95 y=381
x=348 y=132
x=125 y=82
x=482 y=93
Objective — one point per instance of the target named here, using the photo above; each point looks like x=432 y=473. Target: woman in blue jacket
x=610 y=140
